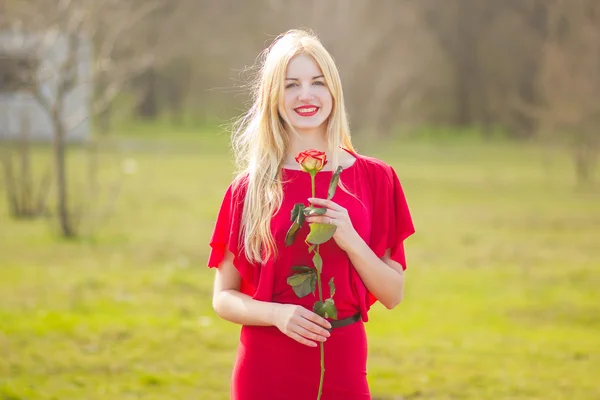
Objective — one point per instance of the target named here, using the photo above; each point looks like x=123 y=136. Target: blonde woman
x=299 y=105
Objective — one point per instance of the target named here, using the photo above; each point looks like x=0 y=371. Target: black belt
x=344 y=322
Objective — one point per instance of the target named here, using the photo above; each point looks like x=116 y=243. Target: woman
x=298 y=105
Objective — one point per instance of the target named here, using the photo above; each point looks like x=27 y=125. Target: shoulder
x=240 y=182
x=238 y=187
x=378 y=170
x=374 y=162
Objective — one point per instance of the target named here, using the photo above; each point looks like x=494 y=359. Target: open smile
x=306 y=111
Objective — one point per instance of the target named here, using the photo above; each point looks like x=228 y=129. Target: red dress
x=270 y=365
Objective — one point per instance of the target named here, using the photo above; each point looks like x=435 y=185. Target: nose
x=305 y=93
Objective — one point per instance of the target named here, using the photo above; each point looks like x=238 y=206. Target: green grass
x=501 y=300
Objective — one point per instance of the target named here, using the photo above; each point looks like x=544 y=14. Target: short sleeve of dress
x=226 y=236
x=392 y=222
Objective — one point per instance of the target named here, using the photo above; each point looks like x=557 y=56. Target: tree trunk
x=465 y=65
x=463 y=116
x=527 y=124
x=585 y=156
x=105 y=115
x=19 y=180
x=10 y=184
x=582 y=168
x=104 y=120
x=27 y=206
x=64 y=217
x=148 y=105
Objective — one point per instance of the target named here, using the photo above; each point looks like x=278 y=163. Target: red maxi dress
x=270 y=365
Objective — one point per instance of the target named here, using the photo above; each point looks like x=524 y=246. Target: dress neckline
x=353 y=153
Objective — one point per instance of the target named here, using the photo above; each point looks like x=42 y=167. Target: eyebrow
x=296 y=79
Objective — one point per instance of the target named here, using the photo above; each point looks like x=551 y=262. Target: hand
x=345 y=235
x=301 y=324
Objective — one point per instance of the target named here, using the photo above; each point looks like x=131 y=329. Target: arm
x=230 y=304
x=383 y=277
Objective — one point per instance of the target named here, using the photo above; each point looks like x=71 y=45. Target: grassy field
x=502 y=288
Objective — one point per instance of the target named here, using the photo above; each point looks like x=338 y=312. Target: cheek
x=326 y=98
x=288 y=100
x=327 y=101
x=286 y=104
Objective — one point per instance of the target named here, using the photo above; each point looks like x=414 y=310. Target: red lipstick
x=307 y=110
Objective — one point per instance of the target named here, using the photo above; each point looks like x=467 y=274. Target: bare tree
x=569 y=81
x=27 y=196
x=461 y=31
x=77 y=51
x=509 y=64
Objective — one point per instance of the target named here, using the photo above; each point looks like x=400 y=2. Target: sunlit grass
x=501 y=299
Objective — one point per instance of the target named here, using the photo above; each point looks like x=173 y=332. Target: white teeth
x=307 y=110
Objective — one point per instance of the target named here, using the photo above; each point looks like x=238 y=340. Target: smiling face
x=307 y=101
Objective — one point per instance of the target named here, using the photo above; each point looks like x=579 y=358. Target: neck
x=307 y=139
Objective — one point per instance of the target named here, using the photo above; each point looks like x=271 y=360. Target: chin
x=306 y=126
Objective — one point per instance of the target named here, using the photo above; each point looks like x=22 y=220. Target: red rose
x=311 y=161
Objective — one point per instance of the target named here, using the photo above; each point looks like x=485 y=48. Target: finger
x=308 y=334
x=316 y=331
x=329 y=213
x=302 y=340
x=317 y=319
x=326 y=203
x=322 y=220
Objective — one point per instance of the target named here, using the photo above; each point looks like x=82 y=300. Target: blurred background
x=115 y=121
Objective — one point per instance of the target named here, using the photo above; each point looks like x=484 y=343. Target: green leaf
x=300 y=217
x=303 y=283
x=312 y=210
x=331 y=287
x=318 y=308
x=318 y=261
x=330 y=309
x=320 y=233
x=333 y=184
x=291 y=234
x=298 y=207
x=325 y=310
x=302 y=268
x=311 y=248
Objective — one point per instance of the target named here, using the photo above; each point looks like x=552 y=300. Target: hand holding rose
x=345 y=235
x=300 y=324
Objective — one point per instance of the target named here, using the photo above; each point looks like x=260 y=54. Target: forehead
x=302 y=65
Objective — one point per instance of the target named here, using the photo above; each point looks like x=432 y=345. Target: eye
x=321 y=83
x=290 y=85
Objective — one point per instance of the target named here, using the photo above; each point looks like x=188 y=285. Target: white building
x=35 y=59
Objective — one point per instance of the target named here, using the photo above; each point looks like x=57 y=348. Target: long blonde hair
x=260 y=141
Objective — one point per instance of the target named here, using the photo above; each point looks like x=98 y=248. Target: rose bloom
x=311 y=161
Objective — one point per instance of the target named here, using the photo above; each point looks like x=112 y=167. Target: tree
x=77 y=50
x=569 y=81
